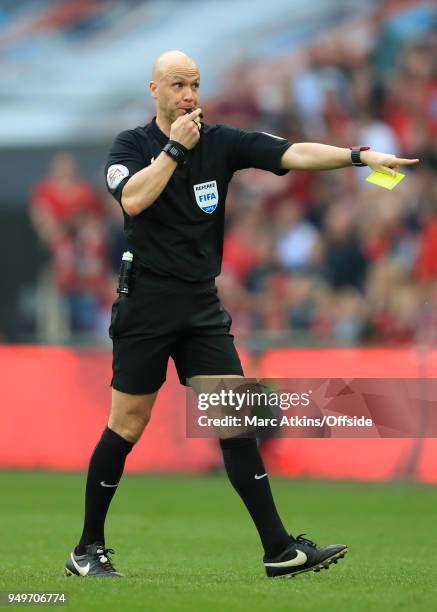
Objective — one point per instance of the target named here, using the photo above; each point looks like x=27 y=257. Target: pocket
x=114 y=318
x=228 y=318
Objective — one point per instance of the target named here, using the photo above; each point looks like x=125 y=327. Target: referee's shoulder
x=215 y=127
x=140 y=131
x=132 y=137
x=219 y=130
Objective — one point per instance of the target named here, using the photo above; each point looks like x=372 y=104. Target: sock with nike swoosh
x=246 y=471
x=104 y=473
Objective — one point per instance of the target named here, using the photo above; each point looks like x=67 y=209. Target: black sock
x=244 y=467
x=106 y=467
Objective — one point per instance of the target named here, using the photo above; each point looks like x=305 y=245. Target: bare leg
x=130 y=414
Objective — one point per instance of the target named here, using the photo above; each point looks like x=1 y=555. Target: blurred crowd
x=326 y=258
x=310 y=258
x=81 y=228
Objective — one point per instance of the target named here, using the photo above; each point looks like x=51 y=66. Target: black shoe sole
x=317 y=567
x=70 y=573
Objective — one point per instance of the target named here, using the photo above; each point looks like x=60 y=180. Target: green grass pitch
x=186 y=543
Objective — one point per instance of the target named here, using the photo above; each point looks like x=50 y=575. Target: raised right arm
x=145 y=185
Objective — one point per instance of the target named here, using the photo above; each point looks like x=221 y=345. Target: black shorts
x=167 y=317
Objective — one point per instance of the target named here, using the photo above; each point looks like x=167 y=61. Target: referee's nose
x=188 y=95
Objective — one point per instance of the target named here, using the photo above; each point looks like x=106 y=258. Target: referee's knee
x=130 y=414
x=130 y=428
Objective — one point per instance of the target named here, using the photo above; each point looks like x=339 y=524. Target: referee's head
x=175 y=84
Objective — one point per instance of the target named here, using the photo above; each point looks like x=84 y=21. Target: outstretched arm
x=315 y=156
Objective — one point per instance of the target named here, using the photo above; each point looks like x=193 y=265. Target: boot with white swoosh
x=303 y=555
x=94 y=563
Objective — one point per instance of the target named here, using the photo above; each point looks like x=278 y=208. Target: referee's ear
x=153 y=87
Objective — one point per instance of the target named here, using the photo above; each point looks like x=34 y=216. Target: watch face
x=174 y=151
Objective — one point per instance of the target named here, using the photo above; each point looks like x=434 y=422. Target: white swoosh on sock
x=259 y=477
x=103 y=483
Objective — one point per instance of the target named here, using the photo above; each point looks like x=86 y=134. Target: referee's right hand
x=185 y=130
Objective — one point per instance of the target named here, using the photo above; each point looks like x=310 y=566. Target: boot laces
x=104 y=559
x=300 y=538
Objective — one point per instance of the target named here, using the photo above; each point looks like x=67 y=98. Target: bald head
x=170 y=62
x=175 y=87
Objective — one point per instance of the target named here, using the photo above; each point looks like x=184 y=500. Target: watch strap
x=356 y=156
x=176 y=151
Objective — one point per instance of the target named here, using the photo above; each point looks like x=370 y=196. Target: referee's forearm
x=144 y=187
x=315 y=156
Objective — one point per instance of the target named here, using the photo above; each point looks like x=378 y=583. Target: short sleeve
x=124 y=160
x=257 y=150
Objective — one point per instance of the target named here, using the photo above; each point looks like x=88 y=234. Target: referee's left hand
x=385 y=162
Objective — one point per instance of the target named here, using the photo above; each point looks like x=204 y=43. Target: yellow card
x=385 y=180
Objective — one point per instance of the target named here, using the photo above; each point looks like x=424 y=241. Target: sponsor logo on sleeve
x=116 y=173
x=206 y=196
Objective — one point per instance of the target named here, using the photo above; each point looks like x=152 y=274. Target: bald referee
x=171 y=178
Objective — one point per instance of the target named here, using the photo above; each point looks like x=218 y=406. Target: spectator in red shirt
x=68 y=217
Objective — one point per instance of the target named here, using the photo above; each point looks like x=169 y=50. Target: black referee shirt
x=181 y=233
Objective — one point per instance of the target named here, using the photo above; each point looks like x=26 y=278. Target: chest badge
x=206 y=196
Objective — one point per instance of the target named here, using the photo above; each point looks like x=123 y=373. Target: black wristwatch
x=176 y=151
x=356 y=155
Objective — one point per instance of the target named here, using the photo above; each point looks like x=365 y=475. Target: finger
x=195 y=114
x=406 y=162
x=384 y=170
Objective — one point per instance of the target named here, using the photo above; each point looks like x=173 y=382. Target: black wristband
x=176 y=151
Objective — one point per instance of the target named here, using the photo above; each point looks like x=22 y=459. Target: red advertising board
x=55 y=403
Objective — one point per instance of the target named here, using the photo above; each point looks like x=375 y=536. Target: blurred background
x=311 y=259
x=325 y=275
